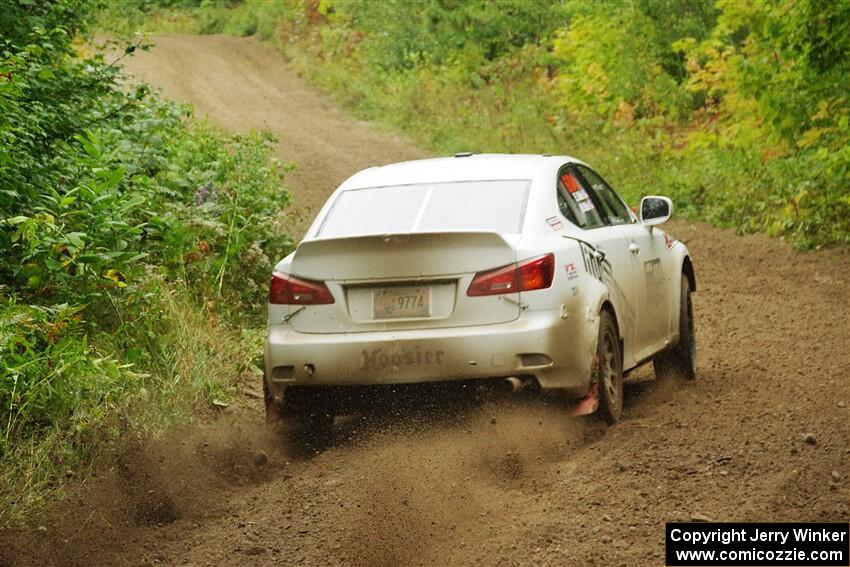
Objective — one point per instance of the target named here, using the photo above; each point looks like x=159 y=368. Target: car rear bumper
x=558 y=352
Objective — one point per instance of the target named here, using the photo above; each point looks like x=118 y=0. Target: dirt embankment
x=504 y=483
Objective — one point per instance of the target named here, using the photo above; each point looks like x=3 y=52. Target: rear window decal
x=570 y=182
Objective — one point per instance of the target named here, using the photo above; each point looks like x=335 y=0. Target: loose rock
x=261 y=459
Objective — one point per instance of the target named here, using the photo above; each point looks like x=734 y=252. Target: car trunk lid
x=403 y=281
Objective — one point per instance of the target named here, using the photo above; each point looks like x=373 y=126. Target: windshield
x=496 y=206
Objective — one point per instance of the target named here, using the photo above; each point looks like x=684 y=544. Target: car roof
x=462 y=167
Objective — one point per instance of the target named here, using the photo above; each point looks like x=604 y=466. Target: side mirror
x=655 y=210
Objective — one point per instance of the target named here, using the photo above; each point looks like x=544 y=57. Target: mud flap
x=588 y=404
x=273 y=413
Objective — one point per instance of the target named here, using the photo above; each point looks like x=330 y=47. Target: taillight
x=528 y=275
x=288 y=290
x=537 y=273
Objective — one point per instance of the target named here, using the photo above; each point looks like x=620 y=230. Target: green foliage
x=401 y=35
x=39 y=346
x=68 y=393
x=128 y=17
x=132 y=238
x=772 y=74
x=96 y=179
x=737 y=109
x=225 y=232
x=619 y=63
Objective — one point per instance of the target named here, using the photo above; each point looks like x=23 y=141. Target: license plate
x=401 y=302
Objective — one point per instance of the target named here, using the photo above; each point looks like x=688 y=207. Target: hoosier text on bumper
x=380 y=358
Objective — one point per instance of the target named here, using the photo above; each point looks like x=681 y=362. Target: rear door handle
x=634 y=248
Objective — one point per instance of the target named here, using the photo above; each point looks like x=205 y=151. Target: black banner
x=757 y=544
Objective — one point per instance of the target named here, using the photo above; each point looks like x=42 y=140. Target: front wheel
x=608 y=371
x=682 y=358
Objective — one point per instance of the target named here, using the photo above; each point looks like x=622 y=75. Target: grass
x=196 y=358
x=518 y=102
x=137 y=244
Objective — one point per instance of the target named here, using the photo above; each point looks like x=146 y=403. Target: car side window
x=615 y=209
x=576 y=202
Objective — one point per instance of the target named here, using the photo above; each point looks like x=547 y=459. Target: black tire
x=681 y=359
x=309 y=417
x=310 y=429
x=608 y=370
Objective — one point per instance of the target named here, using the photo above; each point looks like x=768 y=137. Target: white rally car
x=528 y=269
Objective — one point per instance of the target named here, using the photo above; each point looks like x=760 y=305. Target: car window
x=576 y=203
x=615 y=209
x=497 y=206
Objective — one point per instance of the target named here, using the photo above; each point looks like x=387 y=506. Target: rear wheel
x=682 y=358
x=608 y=371
x=273 y=413
x=308 y=415
x=310 y=428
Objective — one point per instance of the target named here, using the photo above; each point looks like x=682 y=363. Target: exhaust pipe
x=516 y=384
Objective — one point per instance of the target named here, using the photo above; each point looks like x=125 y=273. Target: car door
x=646 y=248
x=581 y=205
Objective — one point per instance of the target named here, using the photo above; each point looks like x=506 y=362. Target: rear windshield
x=496 y=206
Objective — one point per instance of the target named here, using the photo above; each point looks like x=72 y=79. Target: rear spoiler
x=403 y=255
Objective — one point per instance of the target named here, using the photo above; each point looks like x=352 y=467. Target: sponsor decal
x=585 y=206
x=379 y=358
x=581 y=195
x=591 y=264
x=570 y=182
x=554 y=223
x=572 y=271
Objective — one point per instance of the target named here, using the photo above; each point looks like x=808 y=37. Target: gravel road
x=504 y=482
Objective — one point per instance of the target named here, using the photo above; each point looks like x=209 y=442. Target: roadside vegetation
x=135 y=247
x=737 y=110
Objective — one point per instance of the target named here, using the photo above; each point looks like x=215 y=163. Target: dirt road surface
x=244 y=85
x=507 y=482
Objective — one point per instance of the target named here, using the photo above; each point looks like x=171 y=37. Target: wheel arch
x=608 y=307
x=688 y=271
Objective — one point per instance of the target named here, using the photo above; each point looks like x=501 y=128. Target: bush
x=82 y=211
x=41 y=346
x=136 y=244
x=737 y=109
